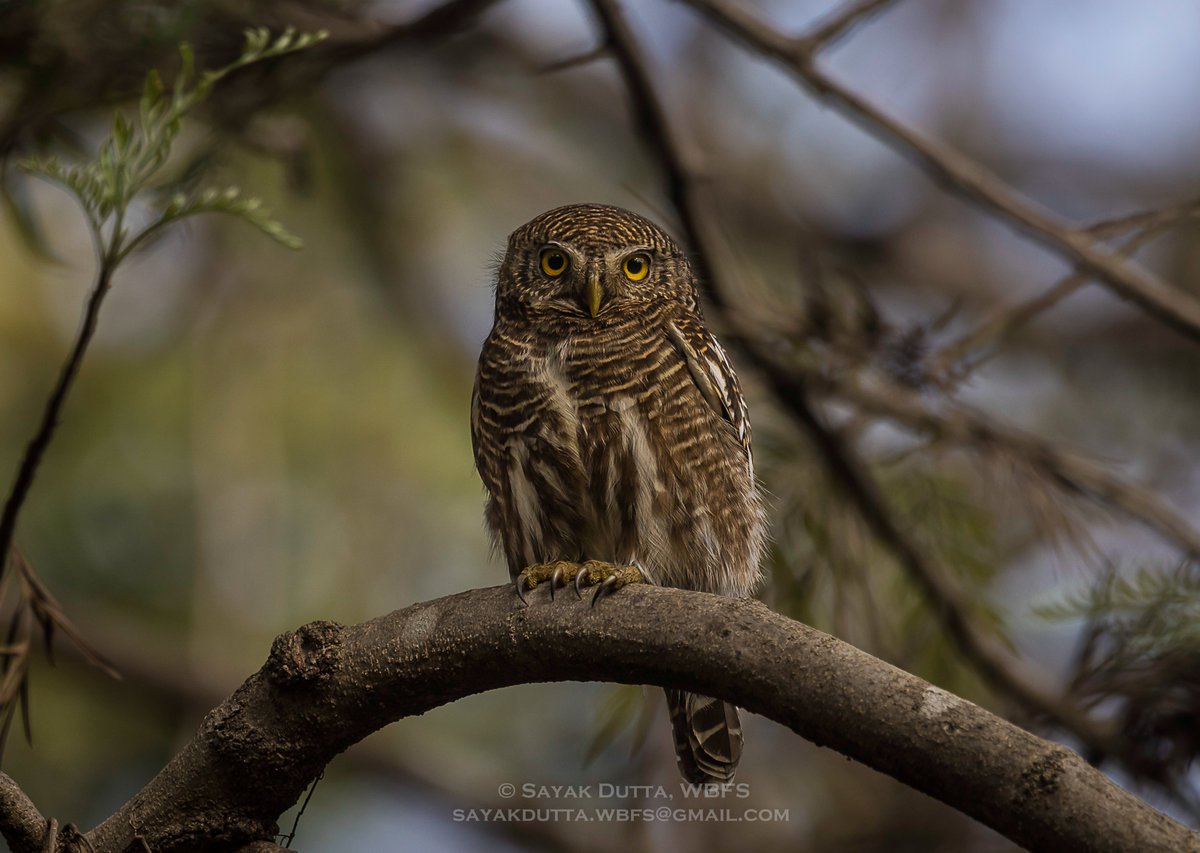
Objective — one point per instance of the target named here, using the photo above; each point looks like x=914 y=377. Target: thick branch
x=151 y=676
x=326 y=686
x=21 y=824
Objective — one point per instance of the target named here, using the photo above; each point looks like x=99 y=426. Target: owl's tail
x=708 y=737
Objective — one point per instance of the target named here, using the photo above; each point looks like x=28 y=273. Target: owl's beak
x=594 y=291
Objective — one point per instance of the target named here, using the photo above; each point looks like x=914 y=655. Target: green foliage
x=1154 y=610
x=107 y=188
x=136 y=150
x=1141 y=657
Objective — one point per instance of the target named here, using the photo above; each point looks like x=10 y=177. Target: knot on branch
x=71 y=840
x=1041 y=778
x=308 y=654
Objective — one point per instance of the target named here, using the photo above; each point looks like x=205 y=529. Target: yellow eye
x=554 y=262
x=636 y=267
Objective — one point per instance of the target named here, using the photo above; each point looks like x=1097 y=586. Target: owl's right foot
x=558 y=574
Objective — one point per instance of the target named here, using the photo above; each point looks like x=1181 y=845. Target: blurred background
x=262 y=437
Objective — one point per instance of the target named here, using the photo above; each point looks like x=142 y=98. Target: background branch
x=964 y=427
x=965 y=176
x=945 y=365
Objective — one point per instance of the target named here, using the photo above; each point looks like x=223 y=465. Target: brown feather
x=708 y=737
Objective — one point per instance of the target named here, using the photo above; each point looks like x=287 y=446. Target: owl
x=608 y=427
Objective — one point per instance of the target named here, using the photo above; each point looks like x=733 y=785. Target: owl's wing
x=483 y=441
x=476 y=431
x=714 y=377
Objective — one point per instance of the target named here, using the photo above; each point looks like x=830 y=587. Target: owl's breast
x=605 y=448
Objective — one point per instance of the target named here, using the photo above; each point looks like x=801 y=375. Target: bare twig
x=681 y=163
x=439 y=22
x=592 y=54
x=326 y=686
x=964 y=175
x=680 y=166
x=291 y=835
x=944 y=364
x=1140 y=220
x=51 y=413
x=36 y=602
x=840 y=23
x=53 y=617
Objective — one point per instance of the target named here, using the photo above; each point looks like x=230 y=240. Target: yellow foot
x=606 y=577
x=558 y=574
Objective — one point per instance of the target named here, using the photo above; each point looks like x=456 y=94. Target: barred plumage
x=608 y=425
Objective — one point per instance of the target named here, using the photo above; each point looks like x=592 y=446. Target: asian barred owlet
x=609 y=426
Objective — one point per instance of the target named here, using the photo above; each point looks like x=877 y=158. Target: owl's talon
x=580 y=578
x=520 y=588
x=556 y=580
x=609 y=584
x=607 y=578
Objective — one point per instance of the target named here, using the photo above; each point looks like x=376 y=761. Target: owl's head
x=592 y=263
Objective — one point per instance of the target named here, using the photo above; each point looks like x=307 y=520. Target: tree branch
x=21 y=824
x=151 y=676
x=439 y=22
x=945 y=365
x=52 y=413
x=840 y=23
x=326 y=686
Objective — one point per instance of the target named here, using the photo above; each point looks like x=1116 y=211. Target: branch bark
x=326 y=686
x=21 y=824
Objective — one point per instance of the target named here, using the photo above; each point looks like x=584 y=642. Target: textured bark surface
x=326 y=686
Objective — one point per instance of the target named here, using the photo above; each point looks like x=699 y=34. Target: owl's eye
x=554 y=262
x=636 y=267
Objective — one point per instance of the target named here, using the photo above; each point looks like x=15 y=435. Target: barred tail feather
x=708 y=737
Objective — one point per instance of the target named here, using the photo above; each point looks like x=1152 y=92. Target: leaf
x=187 y=69
x=121 y=132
